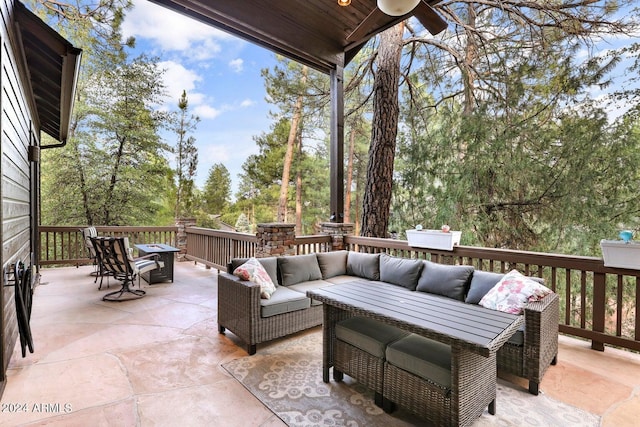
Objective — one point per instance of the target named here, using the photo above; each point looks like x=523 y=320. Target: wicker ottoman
x=417 y=377
x=360 y=351
x=445 y=385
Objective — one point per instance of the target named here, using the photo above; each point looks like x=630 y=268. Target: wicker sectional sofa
x=254 y=320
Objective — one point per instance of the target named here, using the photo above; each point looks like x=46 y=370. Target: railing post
x=276 y=239
x=337 y=231
x=181 y=235
x=599 y=308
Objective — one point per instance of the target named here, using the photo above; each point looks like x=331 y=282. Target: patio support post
x=336 y=181
x=599 y=307
x=276 y=239
x=181 y=235
x=337 y=231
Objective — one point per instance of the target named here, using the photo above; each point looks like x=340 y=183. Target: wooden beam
x=336 y=181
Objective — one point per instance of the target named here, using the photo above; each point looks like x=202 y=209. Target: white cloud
x=177 y=78
x=214 y=153
x=172 y=31
x=236 y=65
x=206 y=111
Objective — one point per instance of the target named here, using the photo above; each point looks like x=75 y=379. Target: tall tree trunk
x=81 y=175
x=299 y=189
x=349 y=177
x=357 y=204
x=115 y=174
x=288 y=158
x=377 y=195
x=470 y=58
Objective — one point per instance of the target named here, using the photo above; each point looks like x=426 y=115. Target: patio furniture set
x=113 y=257
x=413 y=331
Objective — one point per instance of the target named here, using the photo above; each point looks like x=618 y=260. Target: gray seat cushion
x=336 y=280
x=298 y=269
x=283 y=300
x=423 y=357
x=363 y=265
x=332 y=263
x=517 y=338
x=310 y=286
x=447 y=280
x=400 y=271
x=368 y=335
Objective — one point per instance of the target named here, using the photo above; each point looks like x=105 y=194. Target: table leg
x=331 y=316
x=328 y=331
x=473 y=385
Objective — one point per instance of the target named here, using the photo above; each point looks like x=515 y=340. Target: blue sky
x=221 y=74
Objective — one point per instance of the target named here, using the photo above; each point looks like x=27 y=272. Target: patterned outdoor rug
x=287 y=378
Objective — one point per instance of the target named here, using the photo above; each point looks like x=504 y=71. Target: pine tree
x=217 y=190
x=186 y=154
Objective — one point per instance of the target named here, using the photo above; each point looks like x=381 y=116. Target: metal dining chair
x=115 y=258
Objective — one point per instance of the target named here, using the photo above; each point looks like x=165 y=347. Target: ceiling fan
x=389 y=12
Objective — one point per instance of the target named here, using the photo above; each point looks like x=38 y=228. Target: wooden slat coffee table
x=474 y=333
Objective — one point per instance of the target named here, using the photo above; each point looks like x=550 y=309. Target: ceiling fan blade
x=429 y=18
x=373 y=21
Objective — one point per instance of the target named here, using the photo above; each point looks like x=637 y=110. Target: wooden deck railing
x=598 y=303
x=215 y=248
x=64 y=245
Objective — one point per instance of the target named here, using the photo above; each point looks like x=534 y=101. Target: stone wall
x=275 y=239
x=181 y=235
x=337 y=231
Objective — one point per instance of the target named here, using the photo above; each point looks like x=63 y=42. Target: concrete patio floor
x=157 y=361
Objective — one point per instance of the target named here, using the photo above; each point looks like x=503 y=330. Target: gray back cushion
x=298 y=269
x=270 y=264
x=332 y=263
x=447 y=280
x=483 y=281
x=363 y=265
x=400 y=271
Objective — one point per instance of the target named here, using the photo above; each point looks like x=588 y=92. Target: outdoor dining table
x=474 y=333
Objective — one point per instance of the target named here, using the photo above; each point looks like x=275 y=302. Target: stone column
x=275 y=239
x=181 y=235
x=337 y=231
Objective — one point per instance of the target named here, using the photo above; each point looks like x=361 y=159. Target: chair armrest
x=155 y=257
x=541 y=334
x=238 y=305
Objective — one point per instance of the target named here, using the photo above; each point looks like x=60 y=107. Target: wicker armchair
x=239 y=311
x=540 y=348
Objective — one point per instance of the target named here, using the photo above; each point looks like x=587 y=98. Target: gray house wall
x=16 y=133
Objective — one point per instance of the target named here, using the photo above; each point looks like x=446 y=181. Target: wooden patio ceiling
x=313 y=32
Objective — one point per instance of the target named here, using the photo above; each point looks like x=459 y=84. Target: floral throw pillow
x=512 y=293
x=253 y=271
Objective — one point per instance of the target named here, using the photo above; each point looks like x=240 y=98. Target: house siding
x=15 y=133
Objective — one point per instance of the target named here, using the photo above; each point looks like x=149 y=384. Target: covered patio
x=157 y=361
